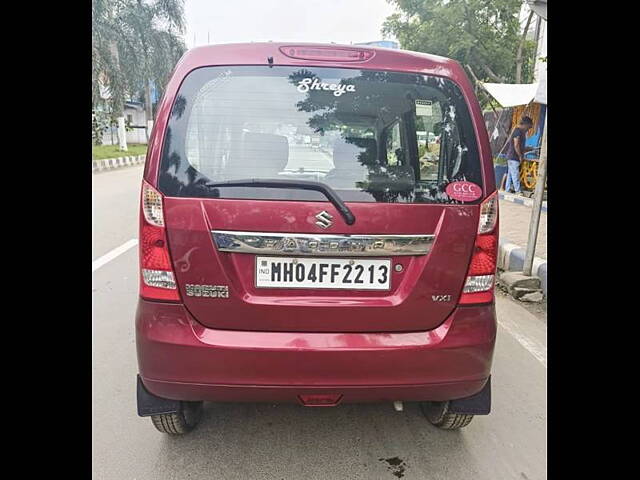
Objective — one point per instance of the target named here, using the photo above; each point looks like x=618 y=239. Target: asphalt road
x=256 y=441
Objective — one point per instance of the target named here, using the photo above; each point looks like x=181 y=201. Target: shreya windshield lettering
x=338 y=89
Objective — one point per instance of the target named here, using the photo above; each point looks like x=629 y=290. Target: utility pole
x=537 y=202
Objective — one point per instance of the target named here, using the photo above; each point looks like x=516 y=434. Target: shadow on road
x=289 y=441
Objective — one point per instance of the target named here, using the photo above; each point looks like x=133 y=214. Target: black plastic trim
x=149 y=404
x=478 y=404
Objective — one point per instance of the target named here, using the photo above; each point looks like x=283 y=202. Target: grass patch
x=113 y=151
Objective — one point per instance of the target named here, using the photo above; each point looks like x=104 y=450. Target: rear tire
x=438 y=414
x=180 y=422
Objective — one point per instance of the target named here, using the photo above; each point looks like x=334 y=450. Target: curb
x=511 y=258
x=510 y=197
x=113 y=163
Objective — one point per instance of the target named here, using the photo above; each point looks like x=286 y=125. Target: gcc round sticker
x=464 y=191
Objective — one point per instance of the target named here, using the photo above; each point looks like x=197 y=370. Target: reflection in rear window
x=372 y=136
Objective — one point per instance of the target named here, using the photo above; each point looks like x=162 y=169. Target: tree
x=105 y=65
x=99 y=124
x=135 y=45
x=150 y=43
x=482 y=34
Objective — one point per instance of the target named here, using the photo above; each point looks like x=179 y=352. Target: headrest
x=258 y=155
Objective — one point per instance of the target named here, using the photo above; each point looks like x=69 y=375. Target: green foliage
x=483 y=34
x=529 y=63
x=134 y=42
x=99 y=124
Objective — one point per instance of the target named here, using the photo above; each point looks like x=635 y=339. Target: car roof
x=258 y=53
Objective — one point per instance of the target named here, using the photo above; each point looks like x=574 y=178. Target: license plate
x=335 y=273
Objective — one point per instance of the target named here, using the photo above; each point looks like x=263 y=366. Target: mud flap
x=149 y=404
x=478 y=404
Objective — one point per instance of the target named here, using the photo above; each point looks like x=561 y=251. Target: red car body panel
x=183 y=360
x=276 y=344
x=406 y=307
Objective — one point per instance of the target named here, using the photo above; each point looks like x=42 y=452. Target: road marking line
x=116 y=252
x=534 y=347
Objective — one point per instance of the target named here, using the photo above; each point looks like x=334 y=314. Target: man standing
x=515 y=153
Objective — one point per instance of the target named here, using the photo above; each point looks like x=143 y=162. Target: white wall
x=137 y=135
x=541 y=67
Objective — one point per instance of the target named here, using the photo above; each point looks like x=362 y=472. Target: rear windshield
x=373 y=136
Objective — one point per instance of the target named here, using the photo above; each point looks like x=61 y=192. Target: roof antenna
x=270 y=60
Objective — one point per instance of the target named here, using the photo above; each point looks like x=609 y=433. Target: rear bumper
x=180 y=359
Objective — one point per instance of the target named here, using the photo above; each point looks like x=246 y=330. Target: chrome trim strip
x=321 y=245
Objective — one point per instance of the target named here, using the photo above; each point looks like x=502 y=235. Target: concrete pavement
x=514 y=226
x=255 y=441
x=514 y=235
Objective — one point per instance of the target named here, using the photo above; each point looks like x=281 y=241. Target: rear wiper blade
x=328 y=192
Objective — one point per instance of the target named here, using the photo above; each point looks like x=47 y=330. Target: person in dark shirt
x=515 y=153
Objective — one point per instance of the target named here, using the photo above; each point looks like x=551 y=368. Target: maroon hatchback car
x=319 y=224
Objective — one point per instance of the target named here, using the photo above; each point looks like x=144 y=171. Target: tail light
x=157 y=280
x=478 y=287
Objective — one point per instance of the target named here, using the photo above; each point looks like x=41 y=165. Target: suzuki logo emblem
x=324 y=219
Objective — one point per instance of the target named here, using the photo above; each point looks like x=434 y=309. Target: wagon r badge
x=441 y=298
x=324 y=219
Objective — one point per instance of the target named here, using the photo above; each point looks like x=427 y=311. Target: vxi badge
x=441 y=298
